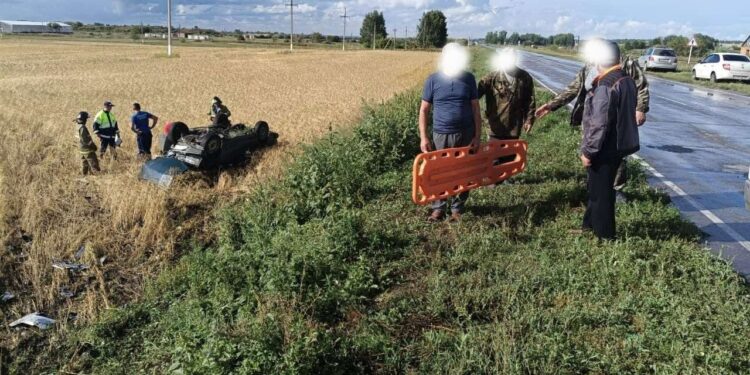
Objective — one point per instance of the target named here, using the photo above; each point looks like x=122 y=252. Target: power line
x=291 y=6
x=343 y=36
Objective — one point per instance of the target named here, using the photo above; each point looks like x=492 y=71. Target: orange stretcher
x=446 y=173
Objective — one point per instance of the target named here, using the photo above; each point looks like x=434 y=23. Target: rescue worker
x=86 y=146
x=105 y=127
x=219 y=113
x=139 y=124
x=610 y=133
x=509 y=97
x=451 y=95
x=580 y=87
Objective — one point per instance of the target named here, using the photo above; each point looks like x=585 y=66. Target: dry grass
x=47 y=213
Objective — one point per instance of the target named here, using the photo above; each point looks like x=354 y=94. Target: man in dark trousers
x=576 y=91
x=105 y=127
x=610 y=133
x=86 y=146
x=139 y=124
x=451 y=94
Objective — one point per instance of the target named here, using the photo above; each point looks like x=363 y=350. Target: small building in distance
x=198 y=37
x=745 y=47
x=155 y=35
x=22 y=27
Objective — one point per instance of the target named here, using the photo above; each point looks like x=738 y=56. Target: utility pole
x=169 y=28
x=406 y=38
x=374 y=24
x=343 y=36
x=291 y=6
x=395 y=39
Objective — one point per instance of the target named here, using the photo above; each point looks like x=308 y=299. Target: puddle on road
x=674 y=148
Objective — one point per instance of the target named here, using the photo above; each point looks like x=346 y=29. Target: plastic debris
x=80 y=252
x=65 y=265
x=7 y=296
x=34 y=320
x=66 y=293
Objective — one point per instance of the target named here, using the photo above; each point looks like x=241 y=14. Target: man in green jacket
x=86 y=146
x=509 y=97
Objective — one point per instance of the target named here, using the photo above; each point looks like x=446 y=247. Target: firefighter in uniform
x=219 y=113
x=86 y=146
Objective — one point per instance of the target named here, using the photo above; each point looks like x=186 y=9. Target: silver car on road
x=659 y=58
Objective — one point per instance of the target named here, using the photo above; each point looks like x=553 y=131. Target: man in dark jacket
x=580 y=86
x=610 y=133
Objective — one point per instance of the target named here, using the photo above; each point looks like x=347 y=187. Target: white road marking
x=671 y=100
x=707 y=213
x=677 y=190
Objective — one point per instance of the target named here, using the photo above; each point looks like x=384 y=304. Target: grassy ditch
x=333 y=270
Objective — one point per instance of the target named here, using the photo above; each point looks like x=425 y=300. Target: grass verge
x=333 y=270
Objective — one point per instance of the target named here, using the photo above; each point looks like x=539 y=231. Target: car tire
x=695 y=75
x=178 y=130
x=262 y=132
x=213 y=148
x=713 y=77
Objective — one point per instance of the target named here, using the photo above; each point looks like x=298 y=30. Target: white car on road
x=723 y=66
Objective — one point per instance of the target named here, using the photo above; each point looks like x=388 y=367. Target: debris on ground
x=80 y=252
x=7 y=296
x=66 y=293
x=34 y=320
x=65 y=265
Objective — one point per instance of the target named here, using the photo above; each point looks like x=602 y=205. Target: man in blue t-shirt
x=139 y=124
x=452 y=96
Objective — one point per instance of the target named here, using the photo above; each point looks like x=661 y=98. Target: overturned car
x=204 y=148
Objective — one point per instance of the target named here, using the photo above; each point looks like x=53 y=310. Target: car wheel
x=261 y=131
x=695 y=75
x=713 y=77
x=178 y=130
x=213 y=147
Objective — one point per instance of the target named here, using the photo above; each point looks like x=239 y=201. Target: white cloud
x=561 y=23
x=283 y=8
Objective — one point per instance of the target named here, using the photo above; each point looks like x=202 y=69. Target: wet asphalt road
x=697 y=142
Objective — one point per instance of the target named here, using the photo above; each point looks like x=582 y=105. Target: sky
x=724 y=19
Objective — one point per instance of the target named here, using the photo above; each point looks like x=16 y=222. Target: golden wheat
x=136 y=225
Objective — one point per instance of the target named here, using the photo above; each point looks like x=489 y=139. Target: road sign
x=692 y=43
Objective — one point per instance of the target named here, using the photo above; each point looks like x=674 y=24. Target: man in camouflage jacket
x=510 y=101
x=580 y=87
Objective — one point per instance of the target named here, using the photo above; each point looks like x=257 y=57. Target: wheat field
x=47 y=211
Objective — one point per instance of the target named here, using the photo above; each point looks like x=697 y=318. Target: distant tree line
x=432 y=31
x=502 y=38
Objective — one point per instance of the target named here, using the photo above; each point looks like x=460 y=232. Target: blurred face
x=108 y=107
x=453 y=60
x=599 y=53
x=505 y=61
